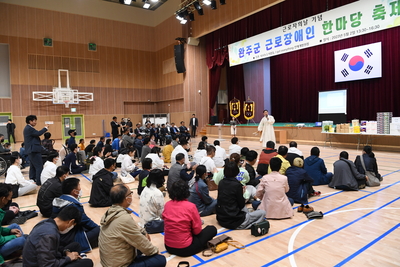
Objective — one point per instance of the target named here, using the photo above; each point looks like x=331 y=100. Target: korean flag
x=358 y=63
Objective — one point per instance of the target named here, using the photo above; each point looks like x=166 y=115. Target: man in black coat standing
x=10 y=131
x=193 y=125
x=33 y=147
x=114 y=128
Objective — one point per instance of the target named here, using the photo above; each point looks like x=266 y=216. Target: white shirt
x=151 y=204
x=14 y=176
x=177 y=150
x=295 y=151
x=157 y=162
x=199 y=155
x=234 y=148
x=49 y=171
x=209 y=163
x=220 y=156
x=97 y=165
x=127 y=165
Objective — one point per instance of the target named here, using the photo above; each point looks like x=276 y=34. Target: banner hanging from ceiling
x=358 y=18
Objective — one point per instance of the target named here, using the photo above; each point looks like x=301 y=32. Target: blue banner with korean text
x=358 y=18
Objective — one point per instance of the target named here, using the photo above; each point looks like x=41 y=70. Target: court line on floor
x=296 y=225
x=298 y=230
x=327 y=235
x=367 y=246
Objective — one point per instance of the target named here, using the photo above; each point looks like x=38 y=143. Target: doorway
x=69 y=122
x=3 y=125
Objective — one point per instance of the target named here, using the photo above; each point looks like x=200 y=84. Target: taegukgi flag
x=358 y=63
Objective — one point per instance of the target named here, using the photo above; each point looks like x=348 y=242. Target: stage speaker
x=179 y=58
x=193 y=41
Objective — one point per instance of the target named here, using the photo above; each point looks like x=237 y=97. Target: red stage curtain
x=235 y=84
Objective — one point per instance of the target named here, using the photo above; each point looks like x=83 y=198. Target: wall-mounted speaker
x=193 y=41
x=179 y=58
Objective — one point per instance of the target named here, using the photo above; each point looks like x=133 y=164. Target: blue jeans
x=14 y=244
x=156 y=260
x=115 y=175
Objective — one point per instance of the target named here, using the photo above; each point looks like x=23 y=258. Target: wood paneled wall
x=232 y=11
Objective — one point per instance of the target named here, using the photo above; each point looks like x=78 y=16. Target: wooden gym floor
x=359 y=228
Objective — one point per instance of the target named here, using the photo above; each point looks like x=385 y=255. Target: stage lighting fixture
x=213 y=4
x=178 y=17
x=183 y=21
x=154 y=1
x=183 y=13
x=198 y=7
x=146 y=5
x=191 y=16
x=222 y=2
x=207 y=2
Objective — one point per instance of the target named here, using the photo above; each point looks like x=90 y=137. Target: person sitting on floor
x=102 y=184
x=90 y=147
x=293 y=153
x=315 y=167
x=167 y=151
x=183 y=148
x=145 y=149
x=15 y=177
x=50 y=167
x=300 y=183
x=70 y=161
x=369 y=162
x=200 y=152
x=231 y=210
x=43 y=248
x=12 y=238
x=86 y=233
x=152 y=203
x=272 y=192
x=179 y=171
x=199 y=194
x=97 y=162
x=144 y=174
x=346 y=177
x=251 y=159
x=220 y=155
x=234 y=147
x=50 y=190
x=282 y=153
x=127 y=165
x=122 y=242
x=268 y=153
x=184 y=235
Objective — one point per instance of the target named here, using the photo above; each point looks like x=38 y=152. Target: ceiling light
x=178 y=17
x=207 y=2
x=198 y=7
x=213 y=4
x=183 y=21
x=155 y=1
x=146 y=5
x=126 y=2
x=222 y=2
x=191 y=16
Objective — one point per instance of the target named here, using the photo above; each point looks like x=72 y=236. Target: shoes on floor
x=300 y=208
x=307 y=209
x=315 y=194
x=361 y=186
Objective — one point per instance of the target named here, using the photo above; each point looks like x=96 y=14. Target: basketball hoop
x=66 y=103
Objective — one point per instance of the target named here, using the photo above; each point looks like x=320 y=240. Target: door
x=73 y=122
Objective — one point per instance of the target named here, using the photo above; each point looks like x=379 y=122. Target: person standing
x=10 y=131
x=114 y=127
x=33 y=147
x=266 y=128
x=194 y=122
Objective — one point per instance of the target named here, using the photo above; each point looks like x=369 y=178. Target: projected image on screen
x=332 y=102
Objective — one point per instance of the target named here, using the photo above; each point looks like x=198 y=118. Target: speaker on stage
x=179 y=58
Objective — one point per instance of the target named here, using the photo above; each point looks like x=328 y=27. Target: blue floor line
x=358 y=252
x=365 y=191
x=296 y=225
x=328 y=234
x=87 y=178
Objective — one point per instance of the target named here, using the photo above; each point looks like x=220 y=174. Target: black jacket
x=100 y=193
x=252 y=174
x=47 y=192
x=230 y=203
x=42 y=246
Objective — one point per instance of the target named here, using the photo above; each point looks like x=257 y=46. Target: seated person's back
x=102 y=183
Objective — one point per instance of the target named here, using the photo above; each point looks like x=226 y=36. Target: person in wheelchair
x=3 y=149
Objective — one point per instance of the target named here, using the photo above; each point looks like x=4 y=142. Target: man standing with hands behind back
x=10 y=131
x=193 y=125
x=266 y=128
x=33 y=147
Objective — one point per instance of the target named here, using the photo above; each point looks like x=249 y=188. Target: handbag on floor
x=314 y=215
x=372 y=179
x=219 y=244
x=155 y=226
x=259 y=229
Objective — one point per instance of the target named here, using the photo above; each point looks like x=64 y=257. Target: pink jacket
x=181 y=222
x=272 y=190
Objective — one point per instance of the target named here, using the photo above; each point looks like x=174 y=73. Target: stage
x=286 y=132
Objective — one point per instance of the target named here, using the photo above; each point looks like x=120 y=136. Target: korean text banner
x=358 y=63
x=358 y=18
